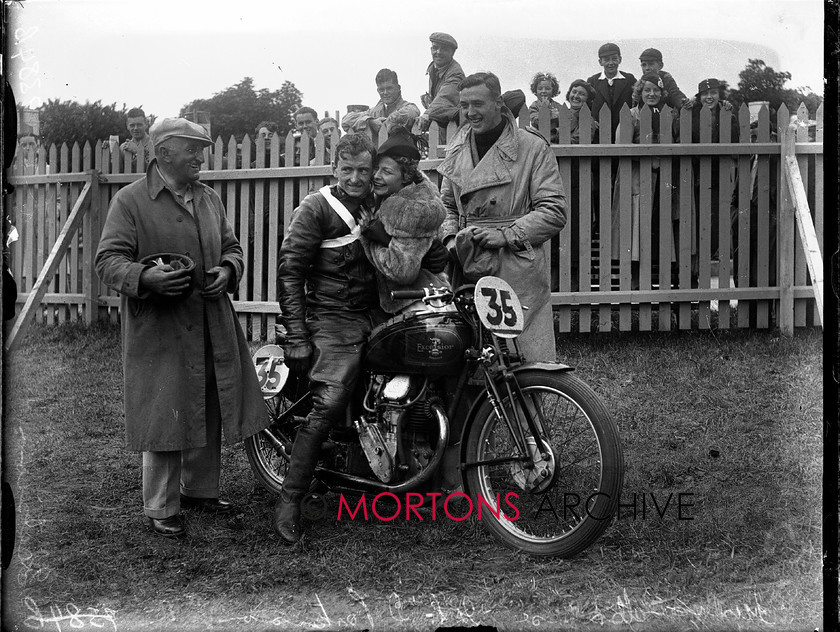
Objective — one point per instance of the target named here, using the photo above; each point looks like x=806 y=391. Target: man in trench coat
x=505 y=201
x=187 y=369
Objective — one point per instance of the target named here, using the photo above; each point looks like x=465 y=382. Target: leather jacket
x=315 y=279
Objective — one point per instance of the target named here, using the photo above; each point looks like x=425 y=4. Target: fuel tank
x=421 y=342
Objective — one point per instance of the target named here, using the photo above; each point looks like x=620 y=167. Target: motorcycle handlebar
x=426 y=293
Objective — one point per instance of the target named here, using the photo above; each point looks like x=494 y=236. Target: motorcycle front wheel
x=564 y=505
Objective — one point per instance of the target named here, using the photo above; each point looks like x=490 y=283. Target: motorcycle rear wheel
x=582 y=494
x=270 y=462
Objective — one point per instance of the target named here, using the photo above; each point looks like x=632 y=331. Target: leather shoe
x=211 y=505
x=169 y=527
x=286 y=519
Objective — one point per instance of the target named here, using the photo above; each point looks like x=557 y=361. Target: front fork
x=523 y=427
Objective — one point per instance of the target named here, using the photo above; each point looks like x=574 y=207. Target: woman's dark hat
x=653 y=78
x=707 y=84
x=399 y=144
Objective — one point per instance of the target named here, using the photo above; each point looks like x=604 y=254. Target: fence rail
x=700 y=233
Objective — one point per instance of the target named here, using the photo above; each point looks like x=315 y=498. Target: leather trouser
x=338 y=340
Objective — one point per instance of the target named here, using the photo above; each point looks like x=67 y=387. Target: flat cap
x=608 y=49
x=166 y=128
x=707 y=84
x=444 y=38
x=650 y=54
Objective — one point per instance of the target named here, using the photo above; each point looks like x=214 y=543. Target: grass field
x=732 y=420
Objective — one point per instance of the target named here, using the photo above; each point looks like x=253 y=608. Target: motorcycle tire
x=578 y=498
x=269 y=461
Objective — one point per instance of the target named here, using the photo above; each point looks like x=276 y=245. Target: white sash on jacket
x=344 y=214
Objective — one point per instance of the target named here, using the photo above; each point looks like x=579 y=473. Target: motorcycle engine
x=396 y=439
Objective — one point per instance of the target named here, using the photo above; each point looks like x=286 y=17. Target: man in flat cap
x=441 y=101
x=613 y=88
x=651 y=62
x=168 y=249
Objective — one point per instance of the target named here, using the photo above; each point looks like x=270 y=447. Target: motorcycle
x=535 y=446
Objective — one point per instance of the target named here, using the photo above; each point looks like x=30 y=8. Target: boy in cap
x=613 y=88
x=651 y=62
x=441 y=101
x=187 y=368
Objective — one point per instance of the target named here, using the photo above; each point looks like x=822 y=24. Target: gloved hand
x=375 y=232
x=298 y=357
x=436 y=259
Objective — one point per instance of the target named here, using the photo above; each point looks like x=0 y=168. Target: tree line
x=236 y=110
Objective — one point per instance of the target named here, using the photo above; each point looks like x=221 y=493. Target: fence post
x=90 y=282
x=786 y=234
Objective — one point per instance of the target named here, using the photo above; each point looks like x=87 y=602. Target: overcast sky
x=164 y=53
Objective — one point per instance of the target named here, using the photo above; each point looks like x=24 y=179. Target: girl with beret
x=409 y=212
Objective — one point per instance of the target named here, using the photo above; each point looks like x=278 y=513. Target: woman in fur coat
x=400 y=232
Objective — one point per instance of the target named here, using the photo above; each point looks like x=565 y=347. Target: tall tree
x=237 y=110
x=760 y=82
x=71 y=121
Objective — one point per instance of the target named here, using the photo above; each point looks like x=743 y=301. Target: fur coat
x=412 y=217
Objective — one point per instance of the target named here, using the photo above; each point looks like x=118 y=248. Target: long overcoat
x=517 y=187
x=163 y=339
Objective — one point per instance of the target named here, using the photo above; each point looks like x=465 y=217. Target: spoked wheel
x=567 y=500
x=269 y=451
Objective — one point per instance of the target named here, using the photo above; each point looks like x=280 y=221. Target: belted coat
x=517 y=187
x=163 y=339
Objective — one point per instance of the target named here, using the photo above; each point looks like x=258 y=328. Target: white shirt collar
x=618 y=75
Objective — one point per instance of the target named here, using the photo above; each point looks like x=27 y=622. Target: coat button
x=180 y=218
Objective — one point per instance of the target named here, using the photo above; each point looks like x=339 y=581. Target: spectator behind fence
x=613 y=88
x=545 y=87
x=652 y=64
x=392 y=109
x=441 y=101
x=306 y=121
x=580 y=93
x=754 y=205
x=139 y=140
x=708 y=97
x=502 y=226
x=266 y=131
x=187 y=368
x=33 y=153
x=648 y=91
x=327 y=126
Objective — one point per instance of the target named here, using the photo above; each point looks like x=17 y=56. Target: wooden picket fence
x=597 y=293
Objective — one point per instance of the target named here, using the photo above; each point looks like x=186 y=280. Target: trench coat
x=516 y=187
x=163 y=339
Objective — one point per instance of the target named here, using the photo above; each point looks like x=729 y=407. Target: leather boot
x=305 y=452
x=286 y=518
